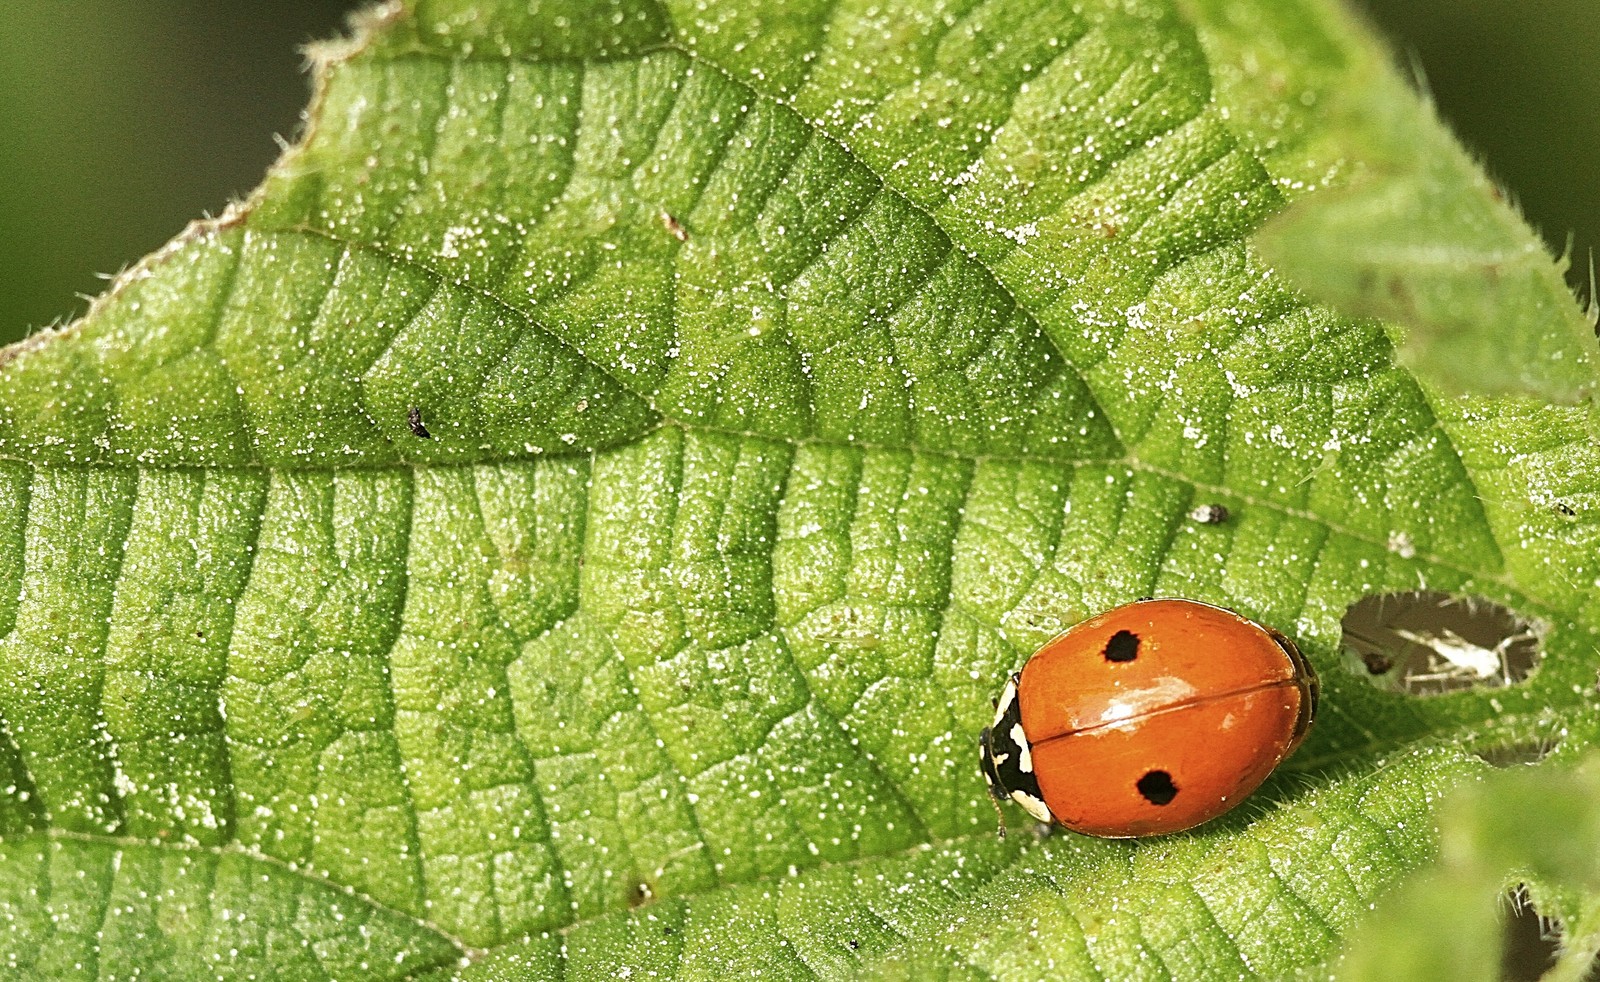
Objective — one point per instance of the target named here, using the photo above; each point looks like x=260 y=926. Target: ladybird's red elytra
x=1150 y=718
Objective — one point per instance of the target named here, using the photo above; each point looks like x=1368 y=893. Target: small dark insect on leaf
x=414 y=420
x=1210 y=514
x=1376 y=663
x=853 y=943
x=675 y=227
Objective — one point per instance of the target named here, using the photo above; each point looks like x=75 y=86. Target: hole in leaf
x=1123 y=647
x=1157 y=787
x=1528 y=943
x=1516 y=754
x=1427 y=643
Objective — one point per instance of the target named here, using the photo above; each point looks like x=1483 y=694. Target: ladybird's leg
x=991 y=775
x=991 y=778
x=991 y=771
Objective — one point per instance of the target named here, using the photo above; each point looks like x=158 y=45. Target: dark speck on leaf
x=642 y=894
x=414 y=420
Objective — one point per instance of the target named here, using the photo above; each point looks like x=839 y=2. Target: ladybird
x=1148 y=719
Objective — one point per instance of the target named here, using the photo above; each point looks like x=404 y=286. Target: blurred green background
x=124 y=119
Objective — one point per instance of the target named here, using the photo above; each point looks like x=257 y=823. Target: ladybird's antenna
x=991 y=777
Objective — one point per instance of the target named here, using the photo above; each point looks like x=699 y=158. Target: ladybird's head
x=1007 y=757
x=1004 y=709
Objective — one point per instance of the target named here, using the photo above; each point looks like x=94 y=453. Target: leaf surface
x=575 y=516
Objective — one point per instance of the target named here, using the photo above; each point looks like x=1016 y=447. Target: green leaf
x=1405 y=226
x=575 y=516
x=1542 y=827
x=1422 y=238
x=1412 y=231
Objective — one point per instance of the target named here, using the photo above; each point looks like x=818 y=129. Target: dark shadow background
x=121 y=120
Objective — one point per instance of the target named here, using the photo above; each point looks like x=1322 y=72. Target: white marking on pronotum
x=1007 y=697
x=1000 y=759
x=1021 y=740
x=1033 y=806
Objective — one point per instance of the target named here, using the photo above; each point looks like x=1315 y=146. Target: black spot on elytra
x=1157 y=787
x=1123 y=647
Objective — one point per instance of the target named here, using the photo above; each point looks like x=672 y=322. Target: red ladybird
x=1151 y=718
